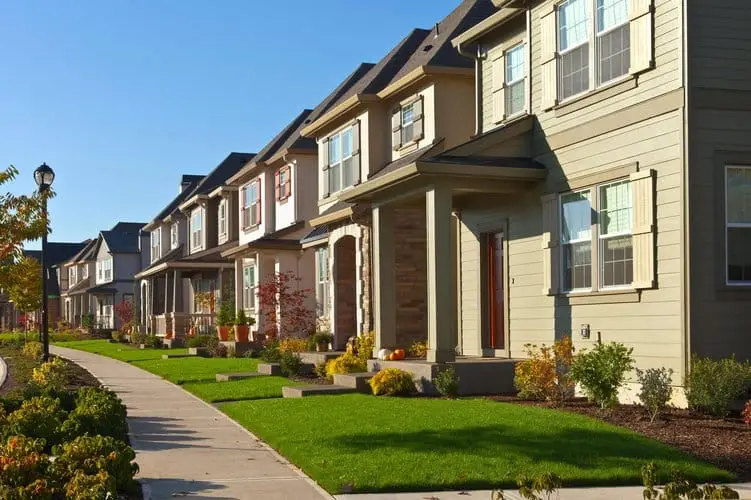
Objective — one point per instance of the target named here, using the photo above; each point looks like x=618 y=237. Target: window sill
x=408 y=147
x=594 y=96
x=249 y=229
x=624 y=296
x=283 y=201
x=733 y=292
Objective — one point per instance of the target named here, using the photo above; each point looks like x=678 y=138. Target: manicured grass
x=239 y=390
x=392 y=444
x=123 y=352
x=196 y=369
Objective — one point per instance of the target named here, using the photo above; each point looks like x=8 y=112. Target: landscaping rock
x=302 y=391
x=224 y=377
x=269 y=369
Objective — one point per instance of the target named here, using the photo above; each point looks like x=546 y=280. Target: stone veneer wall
x=411 y=269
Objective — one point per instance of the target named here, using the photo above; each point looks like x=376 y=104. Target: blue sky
x=122 y=97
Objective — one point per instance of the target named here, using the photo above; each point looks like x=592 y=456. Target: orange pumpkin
x=399 y=354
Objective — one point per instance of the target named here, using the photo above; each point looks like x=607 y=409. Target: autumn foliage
x=280 y=295
x=545 y=375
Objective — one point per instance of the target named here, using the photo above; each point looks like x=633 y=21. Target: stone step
x=357 y=381
x=177 y=356
x=269 y=369
x=315 y=358
x=224 y=377
x=302 y=391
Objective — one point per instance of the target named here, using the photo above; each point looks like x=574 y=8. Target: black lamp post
x=44 y=176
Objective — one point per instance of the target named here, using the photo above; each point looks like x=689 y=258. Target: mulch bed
x=725 y=443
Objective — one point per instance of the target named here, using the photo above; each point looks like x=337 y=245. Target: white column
x=441 y=313
x=384 y=278
x=238 y=283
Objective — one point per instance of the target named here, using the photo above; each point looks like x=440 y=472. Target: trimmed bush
x=546 y=374
x=270 y=352
x=655 y=389
x=23 y=474
x=200 y=341
x=39 y=417
x=293 y=345
x=92 y=455
x=392 y=382
x=32 y=350
x=447 y=382
x=365 y=344
x=52 y=375
x=290 y=363
x=602 y=371
x=418 y=349
x=90 y=486
x=346 y=363
x=98 y=411
x=713 y=386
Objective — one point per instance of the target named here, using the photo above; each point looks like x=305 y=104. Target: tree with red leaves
x=285 y=307
x=124 y=311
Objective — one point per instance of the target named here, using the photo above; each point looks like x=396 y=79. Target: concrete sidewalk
x=189 y=449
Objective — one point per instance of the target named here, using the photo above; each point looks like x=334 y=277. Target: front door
x=496 y=338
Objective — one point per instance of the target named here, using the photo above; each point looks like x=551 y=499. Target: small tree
x=125 y=312
x=25 y=287
x=278 y=296
x=21 y=218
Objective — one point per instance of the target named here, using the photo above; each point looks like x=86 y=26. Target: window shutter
x=643 y=227
x=356 y=158
x=257 y=208
x=277 y=186
x=288 y=188
x=499 y=80
x=419 y=120
x=549 y=58
x=396 y=128
x=551 y=256
x=325 y=166
x=641 y=33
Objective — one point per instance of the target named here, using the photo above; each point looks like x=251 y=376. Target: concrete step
x=177 y=356
x=224 y=377
x=269 y=369
x=357 y=381
x=302 y=391
x=314 y=358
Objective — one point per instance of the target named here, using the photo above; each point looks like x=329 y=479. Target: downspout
x=686 y=282
x=478 y=84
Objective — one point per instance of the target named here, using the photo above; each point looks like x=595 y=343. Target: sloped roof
x=57 y=253
x=227 y=168
x=343 y=91
x=189 y=183
x=288 y=138
x=123 y=238
x=82 y=254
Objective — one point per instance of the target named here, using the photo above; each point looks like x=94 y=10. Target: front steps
x=303 y=391
x=357 y=381
x=269 y=369
x=226 y=377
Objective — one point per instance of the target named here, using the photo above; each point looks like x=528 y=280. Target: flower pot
x=223 y=332
x=168 y=335
x=322 y=347
x=192 y=331
x=241 y=333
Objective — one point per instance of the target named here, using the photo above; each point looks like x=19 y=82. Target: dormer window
x=251 y=204
x=174 y=235
x=72 y=275
x=84 y=271
x=196 y=229
x=156 y=244
x=222 y=210
x=407 y=123
x=283 y=183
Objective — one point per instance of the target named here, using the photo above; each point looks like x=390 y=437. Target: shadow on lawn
x=587 y=450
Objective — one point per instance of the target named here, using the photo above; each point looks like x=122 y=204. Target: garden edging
x=3 y=371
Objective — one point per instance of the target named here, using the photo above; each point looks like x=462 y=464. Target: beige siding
x=454 y=110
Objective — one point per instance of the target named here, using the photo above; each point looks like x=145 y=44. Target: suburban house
x=601 y=137
x=187 y=276
x=75 y=276
x=277 y=196
x=416 y=101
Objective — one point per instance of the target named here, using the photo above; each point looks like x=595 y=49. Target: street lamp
x=44 y=176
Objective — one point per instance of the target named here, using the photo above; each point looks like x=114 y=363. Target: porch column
x=177 y=291
x=384 y=277
x=441 y=323
x=238 y=283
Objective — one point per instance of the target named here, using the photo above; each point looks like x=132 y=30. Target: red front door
x=496 y=299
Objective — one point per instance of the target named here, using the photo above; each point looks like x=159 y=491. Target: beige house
x=276 y=197
x=605 y=129
x=419 y=99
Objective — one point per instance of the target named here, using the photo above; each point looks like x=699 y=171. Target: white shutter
x=643 y=227
x=551 y=258
x=549 y=58
x=499 y=98
x=396 y=128
x=641 y=33
x=356 y=157
x=419 y=120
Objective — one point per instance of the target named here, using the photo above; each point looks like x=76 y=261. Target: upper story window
x=407 y=123
x=600 y=55
x=222 y=214
x=196 y=228
x=341 y=159
x=738 y=224
x=104 y=270
x=516 y=77
x=283 y=183
x=174 y=235
x=251 y=204
x=156 y=244
x=84 y=271
x=72 y=275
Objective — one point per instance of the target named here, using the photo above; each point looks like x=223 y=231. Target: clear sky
x=122 y=97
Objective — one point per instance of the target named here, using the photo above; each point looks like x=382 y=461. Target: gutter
x=478 y=84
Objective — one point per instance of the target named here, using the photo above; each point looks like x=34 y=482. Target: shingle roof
x=189 y=183
x=318 y=233
x=80 y=256
x=404 y=160
x=123 y=238
x=288 y=138
x=57 y=253
x=226 y=169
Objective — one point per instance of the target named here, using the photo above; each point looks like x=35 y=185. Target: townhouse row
x=522 y=171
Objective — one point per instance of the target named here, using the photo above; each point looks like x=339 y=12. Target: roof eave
x=193 y=200
x=222 y=190
x=419 y=74
x=245 y=173
x=349 y=105
x=487 y=25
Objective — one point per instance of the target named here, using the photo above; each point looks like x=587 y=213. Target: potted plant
x=242 y=328
x=191 y=328
x=322 y=341
x=224 y=320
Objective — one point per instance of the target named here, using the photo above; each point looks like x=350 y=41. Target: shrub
x=679 y=487
x=52 y=375
x=270 y=352
x=84 y=486
x=199 y=341
x=713 y=386
x=392 y=382
x=152 y=341
x=346 y=363
x=546 y=374
x=533 y=488
x=118 y=336
x=92 y=455
x=365 y=344
x=33 y=350
x=447 y=382
x=24 y=469
x=655 y=389
x=39 y=417
x=292 y=345
x=602 y=371
x=138 y=338
x=98 y=411
x=418 y=349
x=290 y=363
x=321 y=338
x=219 y=351
x=746 y=413
x=319 y=370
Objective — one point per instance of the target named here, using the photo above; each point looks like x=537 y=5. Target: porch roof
x=272 y=241
x=79 y=288
x=102 y=290
x=205 y=259
x=317 y=235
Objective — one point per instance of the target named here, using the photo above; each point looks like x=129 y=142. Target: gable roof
x=123 y=237
x=84 y=254
x=57 y=253
x=189 y=183
x=343 y=91
x=217 y=177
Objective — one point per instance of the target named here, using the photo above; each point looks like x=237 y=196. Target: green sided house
x=605 y=193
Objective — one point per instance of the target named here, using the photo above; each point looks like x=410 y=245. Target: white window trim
x=285 y=188
x=323 y=283
x=509 y=83
x=728 y=225
x=199 y=231
x=101 y=274
x=565 y=242
x=405 y=124
x=156 y=243
x=249 y=298
x=174 y=235
x=248 y=211
x=85 y=271
x=342 y=158
x=592 y=39
x=222 y=219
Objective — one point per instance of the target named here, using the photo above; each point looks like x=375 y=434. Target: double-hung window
x=104 y=270
x=222 y=210
x=408 y=123
x=322 y=281
x=738 y=224
x=72 y=275
x=597 y=221
x=84 y=271
x=515 y=80
x=174 y=235
x=249 y=291
x=573 y=47
x=196 y=229
x=283 y=183
x=156 y=244
x=341 y=162
x=612 y=40
x=251 y=204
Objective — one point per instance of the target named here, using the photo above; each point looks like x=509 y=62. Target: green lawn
x=394 y=444
x=239 y=390
x=123 y=352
